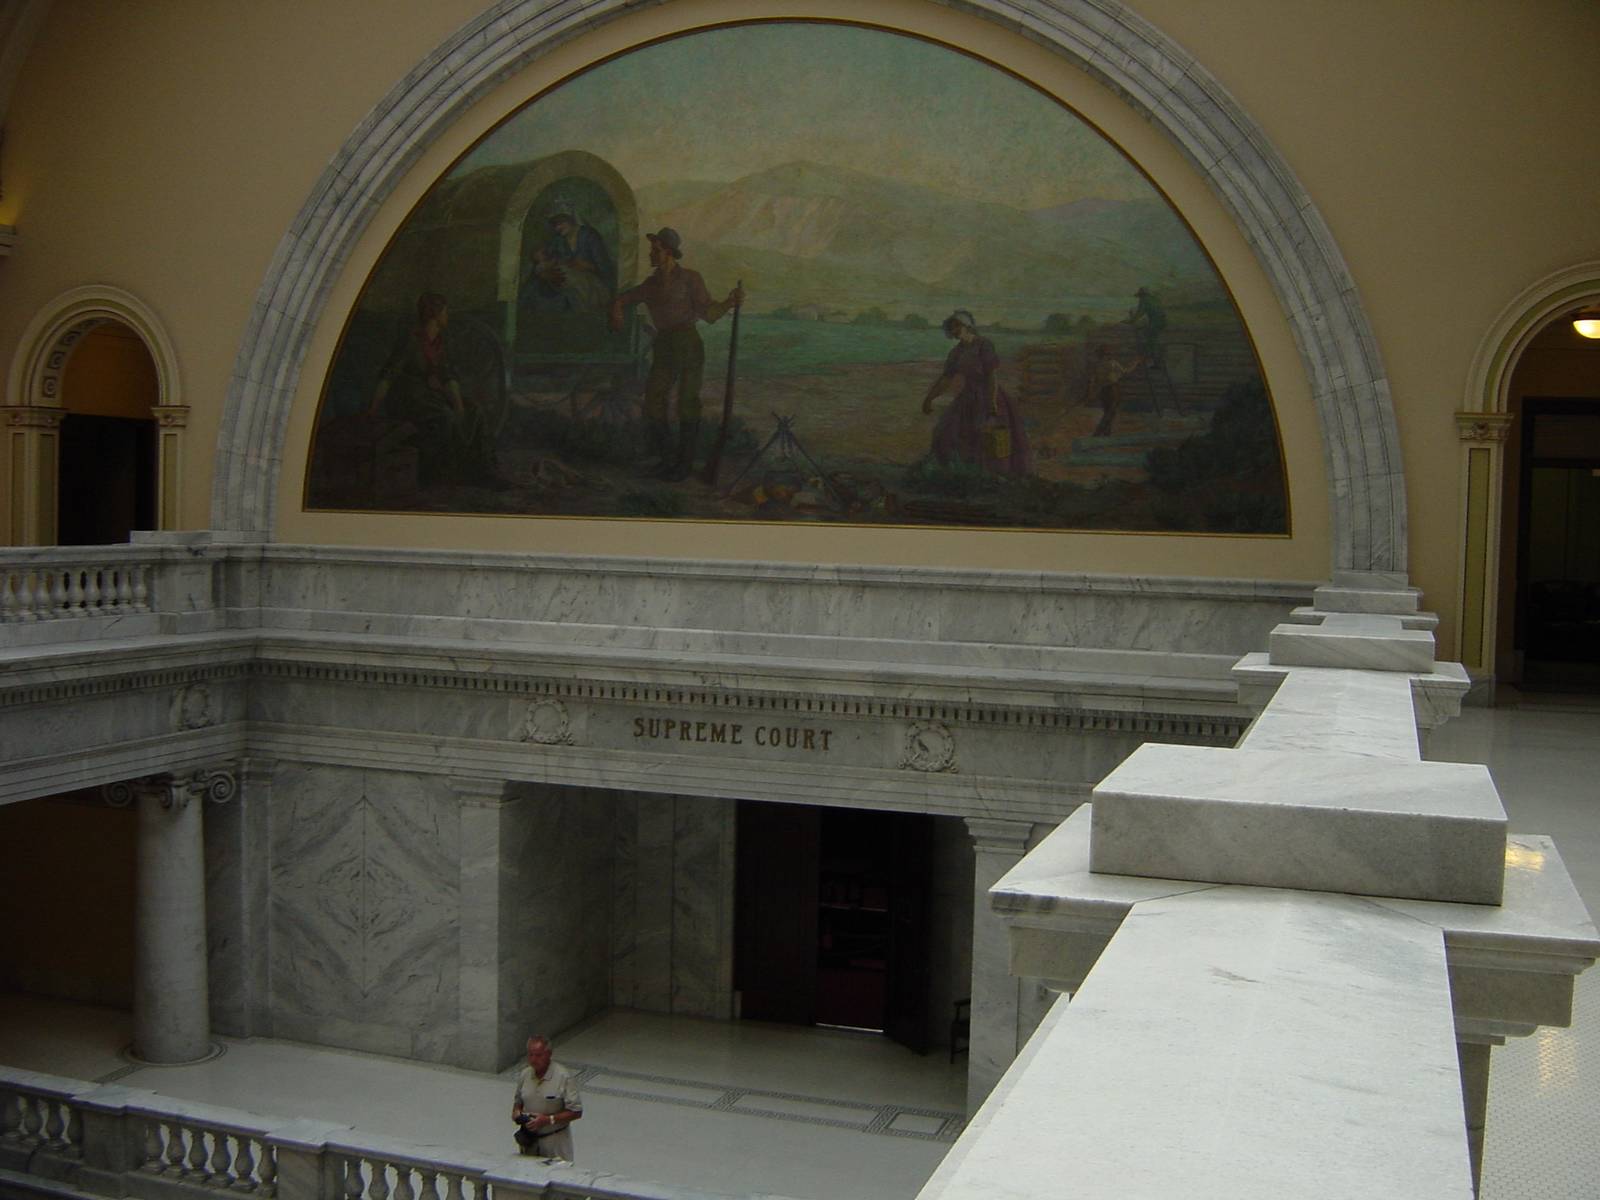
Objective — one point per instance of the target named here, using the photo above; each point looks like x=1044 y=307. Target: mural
x=801 y=272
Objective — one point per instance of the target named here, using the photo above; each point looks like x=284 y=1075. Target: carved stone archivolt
x=174 y=791
x=546 y=723
x=929 y=746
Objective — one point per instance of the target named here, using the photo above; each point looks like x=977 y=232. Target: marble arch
x=1149 y=71
x=1483 y=423
x=32 y=406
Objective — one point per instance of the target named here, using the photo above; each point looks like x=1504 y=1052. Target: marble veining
x=364 y=907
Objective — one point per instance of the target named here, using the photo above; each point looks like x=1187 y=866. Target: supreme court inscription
x=730 y=733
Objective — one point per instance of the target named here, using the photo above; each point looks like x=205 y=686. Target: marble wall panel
x=364 y=912
x=555 y=907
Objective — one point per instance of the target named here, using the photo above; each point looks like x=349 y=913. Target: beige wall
x=165 y=148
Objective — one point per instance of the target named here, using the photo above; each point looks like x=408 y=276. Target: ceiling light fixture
x=1587 y=322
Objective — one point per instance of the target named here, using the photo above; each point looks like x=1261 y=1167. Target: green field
x=772 y=346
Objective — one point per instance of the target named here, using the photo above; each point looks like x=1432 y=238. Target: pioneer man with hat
x=677 y=299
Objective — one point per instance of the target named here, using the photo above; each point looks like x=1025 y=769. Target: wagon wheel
x=481 y=368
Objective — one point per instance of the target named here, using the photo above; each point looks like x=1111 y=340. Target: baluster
x=75 y=592
x=141 y=589
x=92 y=593
x=379 y=1190
x=221 y=1160
x=430 y=1184
x=59 y=593
x=10 y=1116
x=244 y=1166
x=152 y=1146
x=402 y=1183
x=41 y=596
x=123 y=589
x=452 y=1187
x=354 y=1185
x=31 y=1120
x=197 y=1153
x=8 y=598
x=74 y=1129
x=54 y=1123
x=174 y=1147
x=269 y=1170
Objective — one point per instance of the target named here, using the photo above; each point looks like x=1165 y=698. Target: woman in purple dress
x=982 y=425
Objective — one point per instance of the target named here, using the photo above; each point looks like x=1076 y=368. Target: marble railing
x=1287 y=961
x=64 y=1137
x=51 y=585
x=198 y=585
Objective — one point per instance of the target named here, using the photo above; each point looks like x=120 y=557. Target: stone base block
x=1359 y=642
x=1321 y=822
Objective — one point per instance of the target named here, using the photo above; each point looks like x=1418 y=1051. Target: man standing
x=676 y=298
x=1105 y=387
x=546 y=1104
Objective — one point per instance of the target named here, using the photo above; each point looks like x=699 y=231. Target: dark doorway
x=1558 y=568
x=832 y=924
x=107 y=479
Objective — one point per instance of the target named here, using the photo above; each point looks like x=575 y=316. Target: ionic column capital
x=217 y=785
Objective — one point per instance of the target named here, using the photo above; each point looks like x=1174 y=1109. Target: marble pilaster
x=484 y=1041
x=236 y=840
x=996 y=994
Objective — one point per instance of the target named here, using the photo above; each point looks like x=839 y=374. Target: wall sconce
x=1587 y=322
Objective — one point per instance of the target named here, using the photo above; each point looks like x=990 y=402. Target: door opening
x=833 y=920
x=1558 y=568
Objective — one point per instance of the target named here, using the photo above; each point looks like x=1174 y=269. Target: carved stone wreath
x=192 y=707
x=929 y=746
x=547 y=723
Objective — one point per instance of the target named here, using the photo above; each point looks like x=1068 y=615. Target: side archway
x=33 y=408
x=1154 y=75
x=1483 y=424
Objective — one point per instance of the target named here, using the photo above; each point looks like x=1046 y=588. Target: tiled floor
x=745 y=1107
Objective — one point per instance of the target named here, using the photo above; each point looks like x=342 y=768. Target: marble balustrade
x=403 y=721
x=113 y=1141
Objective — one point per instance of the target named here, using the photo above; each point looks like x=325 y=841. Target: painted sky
x=725 y=103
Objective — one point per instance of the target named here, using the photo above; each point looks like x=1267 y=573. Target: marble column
x=171 y=1010
x=483 y=804
x=996 y=994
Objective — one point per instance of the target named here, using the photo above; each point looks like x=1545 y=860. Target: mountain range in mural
x=808 y=233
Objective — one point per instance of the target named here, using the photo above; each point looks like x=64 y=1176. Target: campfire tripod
x=789 y=449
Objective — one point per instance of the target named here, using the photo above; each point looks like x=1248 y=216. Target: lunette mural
x=806 y=272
